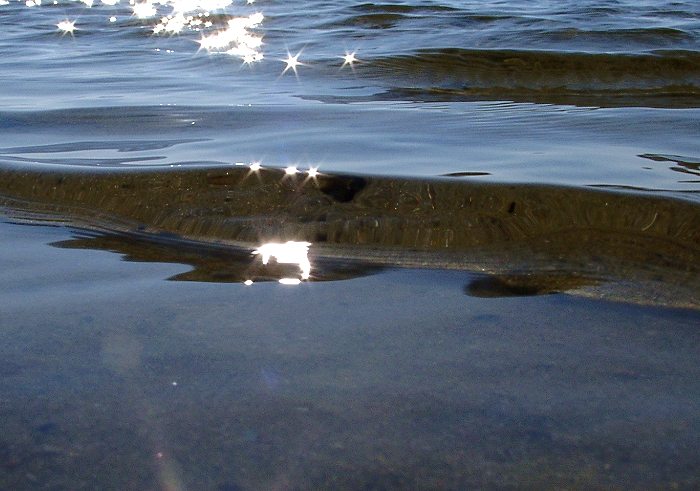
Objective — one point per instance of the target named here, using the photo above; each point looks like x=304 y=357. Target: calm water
x=494 y=273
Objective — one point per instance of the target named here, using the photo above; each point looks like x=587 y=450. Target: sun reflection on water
x=292 y=63
x=255 y=166
x=228 y=27
x=237 y=39
x=289 y=252
x=66 y=26
x=349 y=59
x=144 y=10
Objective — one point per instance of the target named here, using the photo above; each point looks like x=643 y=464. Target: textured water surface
x=349 y=245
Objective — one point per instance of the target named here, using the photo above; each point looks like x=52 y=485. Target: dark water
x=492 y=277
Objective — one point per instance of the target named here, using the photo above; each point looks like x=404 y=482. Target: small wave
x=668 y=98
x=385 y=16
x=401 y=9
x=533 y=75
x=377 y=21
x=72 y=154
x=118 y=145
x=84 y=162
x=617 y=40
x=467 y=174
x=615 y=238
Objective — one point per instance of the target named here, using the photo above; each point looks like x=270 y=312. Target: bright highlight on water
x=238 y=37
x=290 y=252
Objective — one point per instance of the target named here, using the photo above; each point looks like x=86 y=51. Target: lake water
x=347 y=245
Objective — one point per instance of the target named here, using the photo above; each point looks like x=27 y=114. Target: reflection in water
x=290 y=252
x=525 y=285
x=685 y=165
x=221 y=32
x=66 y=26
x=214 y=264
x=349 y=59
x=237 y=39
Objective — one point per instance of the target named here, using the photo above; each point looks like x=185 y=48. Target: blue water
x=571 y=93
x=113 y=378
x=503 y=288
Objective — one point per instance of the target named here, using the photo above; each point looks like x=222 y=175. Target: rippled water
x=574 y=93
x=440 y=188
x=594 y=53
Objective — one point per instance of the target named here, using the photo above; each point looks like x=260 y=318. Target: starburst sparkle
x=66 y=26
x=229 y=27
x=349 y=59
x=292 y=63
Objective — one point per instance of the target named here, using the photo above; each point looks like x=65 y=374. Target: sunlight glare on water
x=226 y=32
x=66 y=26
x=227 y=27
x=237 y=39
x=290 y=252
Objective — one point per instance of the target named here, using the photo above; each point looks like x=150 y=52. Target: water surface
x=386 y=381
x=347 y=245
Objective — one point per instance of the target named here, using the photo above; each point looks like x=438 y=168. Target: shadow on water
x=525 y=239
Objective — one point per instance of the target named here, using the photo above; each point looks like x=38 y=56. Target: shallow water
x=493 y=280
x=387 y=381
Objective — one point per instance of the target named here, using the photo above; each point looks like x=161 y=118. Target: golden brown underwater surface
x=526 y=239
